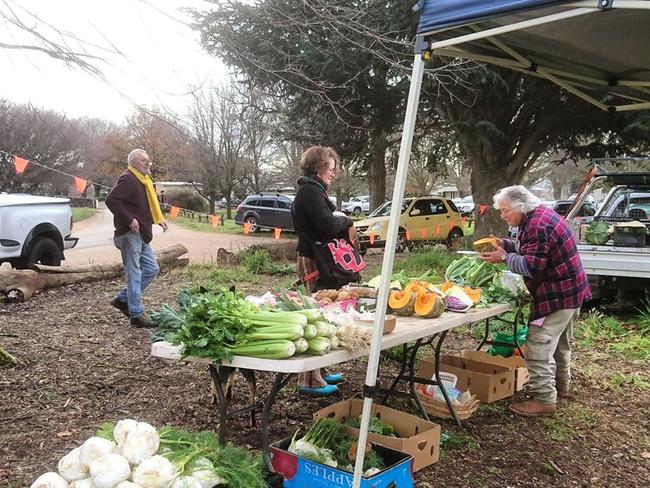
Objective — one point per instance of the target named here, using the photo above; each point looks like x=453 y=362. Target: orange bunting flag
x=423 y=233
x=247 y=228
x=173 y=212
x=276 y=233
x=20 y=164
x=372 y=239
x=437 y=229
x=408 y=235
x=451 y=224
x=214 y=220
x=482 y=209
x=463 y=220
x=80 y=184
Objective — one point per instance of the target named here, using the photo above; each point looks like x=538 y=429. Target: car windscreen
x=384 y=210
x=628 y=203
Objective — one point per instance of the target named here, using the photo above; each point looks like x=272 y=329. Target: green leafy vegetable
x=597 y=233
x=376 y=425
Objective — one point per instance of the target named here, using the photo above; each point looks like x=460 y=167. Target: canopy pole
x=547 y=19
x=387 y=264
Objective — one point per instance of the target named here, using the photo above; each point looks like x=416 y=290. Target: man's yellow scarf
x=152 y=198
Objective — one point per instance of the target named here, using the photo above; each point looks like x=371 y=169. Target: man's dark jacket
x=128 y=200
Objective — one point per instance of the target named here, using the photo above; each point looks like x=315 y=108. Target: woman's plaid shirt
x=547 y=243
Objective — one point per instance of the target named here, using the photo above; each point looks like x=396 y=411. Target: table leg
x=437 y=374
x=412 y=391
x=281 y=379
x=221 y=398
x=398 y=378
x=485 y=336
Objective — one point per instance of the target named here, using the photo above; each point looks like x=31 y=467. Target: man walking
x=134 y=204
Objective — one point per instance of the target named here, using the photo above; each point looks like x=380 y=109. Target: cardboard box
x=299 y=472
x=417 y=437
x=516 y=363
x=490 y=382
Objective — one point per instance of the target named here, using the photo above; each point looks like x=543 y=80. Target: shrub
x=188 y=199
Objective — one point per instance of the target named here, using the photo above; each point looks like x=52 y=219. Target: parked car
x=356 y=205
x=428 y=218
x=466 y=205
x=588 y=208
x=34 y=229
x=266 y=211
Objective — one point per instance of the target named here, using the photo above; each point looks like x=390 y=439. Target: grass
x=201 y=224
x=82 y=213
x=567 y=423
x=260 y=262
x=629 y=338
x=622 y=381
x=460 y=441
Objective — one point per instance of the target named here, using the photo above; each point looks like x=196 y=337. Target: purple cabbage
x=456 y=304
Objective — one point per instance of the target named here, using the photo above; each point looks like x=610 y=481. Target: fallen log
x=19 y=286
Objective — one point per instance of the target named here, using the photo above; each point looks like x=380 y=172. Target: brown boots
x=533 y=408
x=563 y=387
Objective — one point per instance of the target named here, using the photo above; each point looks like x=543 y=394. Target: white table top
x=406 y=330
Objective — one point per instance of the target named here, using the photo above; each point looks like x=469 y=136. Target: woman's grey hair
x=520 y=199
x=134 y=154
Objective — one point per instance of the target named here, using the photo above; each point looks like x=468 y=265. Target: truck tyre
x=356 y=211
x=45 y=251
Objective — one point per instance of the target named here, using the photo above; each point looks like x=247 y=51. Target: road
x=96 y=241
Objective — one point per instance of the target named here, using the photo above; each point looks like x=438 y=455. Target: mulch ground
x=84 y=365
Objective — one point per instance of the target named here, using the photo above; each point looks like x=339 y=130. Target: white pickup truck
x=34 y=229
x=612 y=266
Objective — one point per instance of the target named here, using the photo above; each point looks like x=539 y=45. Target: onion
x=155 y=472
x=93 y=449
x=109 y=470
x=50 y=480
x=70 y=467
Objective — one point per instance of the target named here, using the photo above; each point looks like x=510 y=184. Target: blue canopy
x=595 y=49
x=442 y=14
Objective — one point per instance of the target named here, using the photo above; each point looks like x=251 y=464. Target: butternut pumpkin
x=402 y=302
x=486 y=244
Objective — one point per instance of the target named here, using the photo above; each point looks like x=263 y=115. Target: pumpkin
x=446 y=286
x=402 y=302
x=428 y=304
x=416 y=286
x=473 y=293
x=486 y=244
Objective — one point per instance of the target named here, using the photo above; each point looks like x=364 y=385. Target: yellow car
x=428 y=218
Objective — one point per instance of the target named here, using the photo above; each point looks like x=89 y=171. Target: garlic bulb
x=128 y=484
x=109 y=470
x=84 y=483
x=122 y=428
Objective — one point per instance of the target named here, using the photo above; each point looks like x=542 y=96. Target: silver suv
x=267 y=211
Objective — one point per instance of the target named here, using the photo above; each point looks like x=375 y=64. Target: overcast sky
x=162 y=57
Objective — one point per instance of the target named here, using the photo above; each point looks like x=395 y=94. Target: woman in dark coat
x=314 y=220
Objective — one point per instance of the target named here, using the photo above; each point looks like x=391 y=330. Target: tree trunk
x=377 y=172
x=20 y=285
x=486 y=180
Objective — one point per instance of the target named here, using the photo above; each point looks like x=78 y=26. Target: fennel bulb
x=186 y=482
x=202 y=470
x=84 y=483
x=122 y=428
x=139 y=443
x=70 y=467
x=110 y=470
x=128 y=484
x=50 y=480
x=94 y=448
x=155 y=472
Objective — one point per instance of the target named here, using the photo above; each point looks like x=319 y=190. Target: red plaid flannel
x=550 y=249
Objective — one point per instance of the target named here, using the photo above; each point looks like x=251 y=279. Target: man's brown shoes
x=533 y=408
